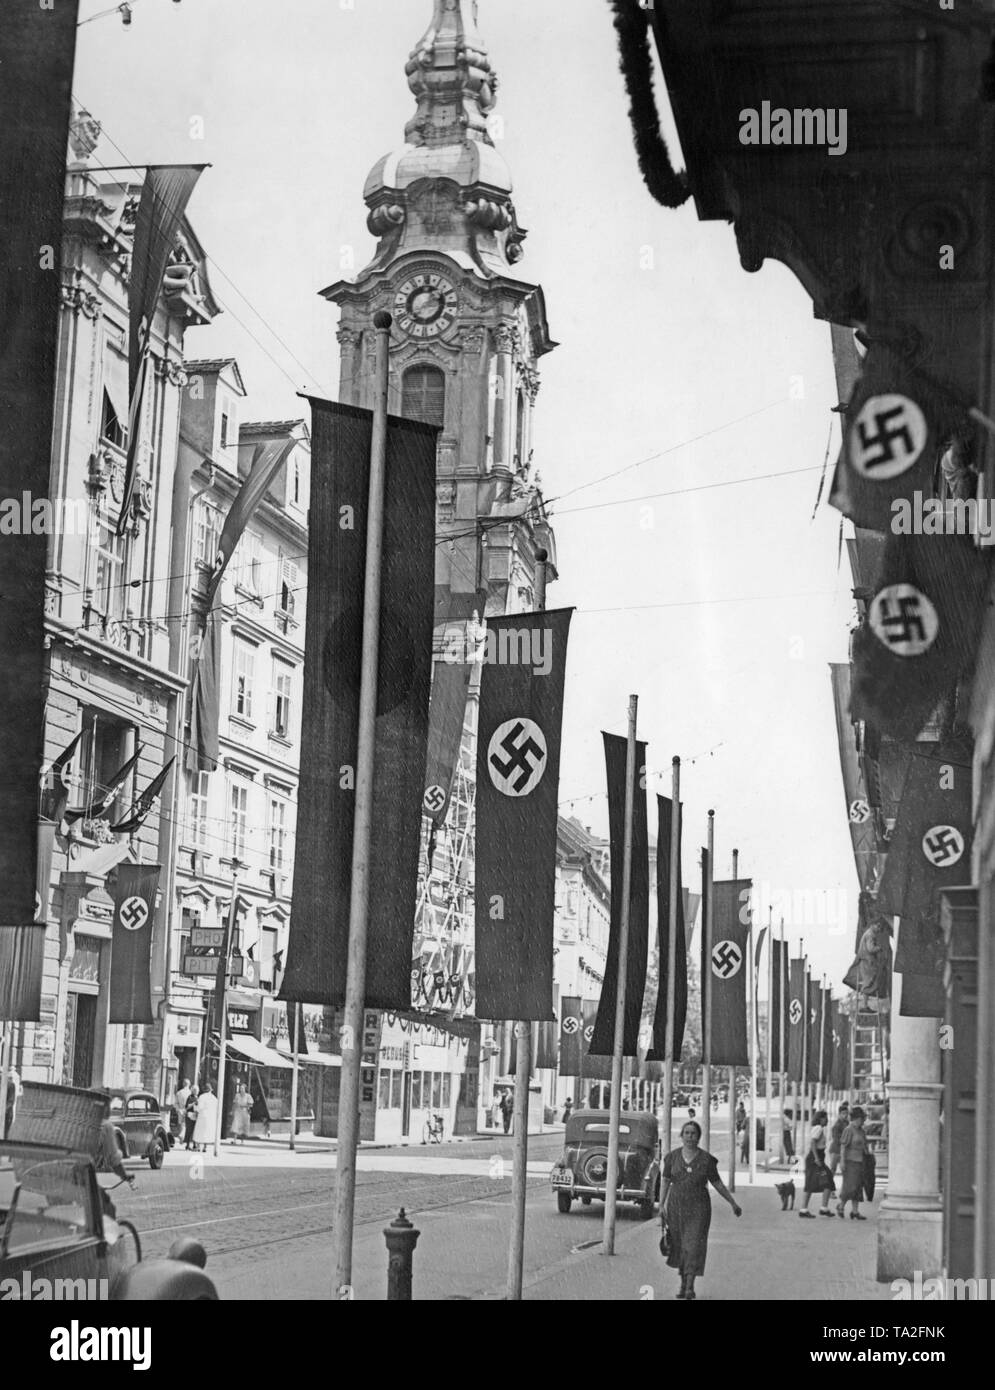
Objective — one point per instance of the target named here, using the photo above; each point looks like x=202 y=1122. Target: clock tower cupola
x=468 y=333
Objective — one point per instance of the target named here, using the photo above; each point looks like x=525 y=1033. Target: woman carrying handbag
x=818 y=1177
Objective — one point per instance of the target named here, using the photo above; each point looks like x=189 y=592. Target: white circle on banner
x=726 y=959
x=903 y=619
x=859 y=812
x=571 y=1024
x=887 y=437
x=517 y=757
x=943 y=846
x=134 y=914
x=795 y=1011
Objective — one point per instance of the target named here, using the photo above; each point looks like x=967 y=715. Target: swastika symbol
x=134 y=914
x=904 y=619
x=811 y=1014
x=523 y=746
x=836 y=1038
x=943 y=846
x=571 y=1024
x=434 y=799
x=589 y=1032
x=887 y=437
x=726 y=959
x=795 y=1011
x=859 y=812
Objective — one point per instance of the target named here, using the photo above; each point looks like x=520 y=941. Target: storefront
x=319 y=1063
x=423 y=1072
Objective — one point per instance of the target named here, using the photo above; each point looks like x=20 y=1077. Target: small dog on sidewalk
x=786 y=1192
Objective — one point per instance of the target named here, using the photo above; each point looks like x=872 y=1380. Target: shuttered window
x=424 y=395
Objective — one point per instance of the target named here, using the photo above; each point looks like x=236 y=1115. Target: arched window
x=424 y=395
x=520 y=430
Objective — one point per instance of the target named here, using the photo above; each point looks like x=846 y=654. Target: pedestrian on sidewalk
x=507 y=1110
x=190 y=1115
x=686 y=1208
x=787 y=1139
x=568 y=1109
x=241 y=1111
x=834 y=1139
x=817 y=1175
x=207 y=1118
x=853 y=1147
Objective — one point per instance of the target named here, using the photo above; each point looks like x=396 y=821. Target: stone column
x=910 y=1223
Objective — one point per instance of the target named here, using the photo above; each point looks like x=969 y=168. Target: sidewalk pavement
x=767 y=1254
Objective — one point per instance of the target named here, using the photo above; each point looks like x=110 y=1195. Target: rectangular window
x=277 y=833
x=106 y=746
x=238 y=820
x=197 y=811
x=447 y=1082
x=245 y=665
x=111 y=571
x=436 y=1090
x=289 y=581
x=296 y=485
x=395 y=1090
x=383 y=1102
x=283 y=686
x=206 y=532
x=416 y=1090
x=267 y=957
x=224 y=431
x=249 y=563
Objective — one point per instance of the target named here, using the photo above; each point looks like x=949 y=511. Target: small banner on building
x=518 y=773
x=658 y=1051
x=797 y=1016
x=571 y=1035
x=594 y=1068
x=131 y=943
x=929 y=850
x=727 y=972
x=895 y=423
x=319 y=924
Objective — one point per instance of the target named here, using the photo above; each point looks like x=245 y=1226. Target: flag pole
x=822 y=1042
x=352 y=1029
x=802 y=1148
x=782 y=1069
x=295 y=1061
x=6 y=1048
x=732 y=1070
x=675 y=851
x=752 y=978
x=615 y=1101
x=706 y=1023
x=220 y=1004
x=523 y=1075
x=770 y=1034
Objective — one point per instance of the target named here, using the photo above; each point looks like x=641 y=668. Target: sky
x=701 y=584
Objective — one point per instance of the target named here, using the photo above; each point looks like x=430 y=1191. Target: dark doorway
x=81 y=1028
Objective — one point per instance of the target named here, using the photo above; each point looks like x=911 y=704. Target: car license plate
x=562 y=1179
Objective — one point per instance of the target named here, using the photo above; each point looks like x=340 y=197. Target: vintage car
x=141 y=1129
x=583 y=1170
x=58 y=1242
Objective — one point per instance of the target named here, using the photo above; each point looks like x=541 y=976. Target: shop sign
x=238 y=1021
x=207 y=938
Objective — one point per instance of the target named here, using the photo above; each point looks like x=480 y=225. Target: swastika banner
x=319 y=925
x=727 y=969
x=795 y=1021
x=131 y=943
x=920 y=630
x=778 y=1005
x=603 y=1043
x=840 y=1075
x=929 y=850
x=518 y=774
x=895 y=422
x=814 y=1030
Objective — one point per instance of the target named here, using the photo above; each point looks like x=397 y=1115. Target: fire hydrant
x=401 y=1238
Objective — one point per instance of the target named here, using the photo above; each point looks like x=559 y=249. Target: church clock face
x=425 y=305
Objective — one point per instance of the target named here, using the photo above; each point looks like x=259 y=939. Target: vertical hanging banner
x=596 y=1068
x=796 y=1019
x=131 y=943
x=165 y=194
x=814 y=1029
x=603 y=1042
x=727 y=971
x=658 y=1051
x=518 y=775
x=456 y=637
x=840 y=1073
x=319 y=925
x=704 y=971
x=779 y=963
x=929 y=850
x=571 y=1035
x=37 y=47
x=828 y=1039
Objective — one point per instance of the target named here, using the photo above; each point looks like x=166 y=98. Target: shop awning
x=314 y=1059
x=247 y=1046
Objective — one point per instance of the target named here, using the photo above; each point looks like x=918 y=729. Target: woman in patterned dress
x=686 y=1207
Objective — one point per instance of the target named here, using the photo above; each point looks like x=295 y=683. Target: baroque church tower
x=468 y=333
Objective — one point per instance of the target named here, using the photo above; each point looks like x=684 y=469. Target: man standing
x=10 y=1099
x=836 y=1136
x=507 y=1110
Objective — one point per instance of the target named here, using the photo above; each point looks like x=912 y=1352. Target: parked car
x=55 y=1233
x=139 y=1126
x=583 y=1170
